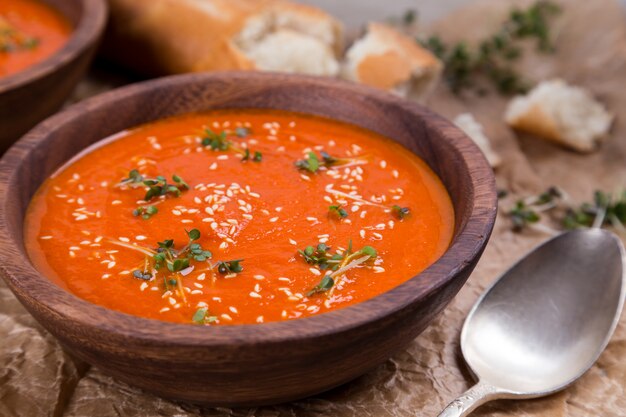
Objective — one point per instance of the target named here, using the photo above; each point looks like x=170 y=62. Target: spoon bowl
x=545 y=321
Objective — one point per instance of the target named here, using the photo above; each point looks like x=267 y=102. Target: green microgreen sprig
x=157 y=187
x=202 y=316
x=338 y=210
x=337 y=263
x=312 y=162
x=13 y=40
x=221 y=142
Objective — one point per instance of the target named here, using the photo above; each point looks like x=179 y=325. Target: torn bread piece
x=388 y=59
x=562 y=113
x=157 y=37
x=472 y=128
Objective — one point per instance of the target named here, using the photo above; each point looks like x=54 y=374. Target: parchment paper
x=38 y=379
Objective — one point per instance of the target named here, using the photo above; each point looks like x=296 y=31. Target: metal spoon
x=545 y=321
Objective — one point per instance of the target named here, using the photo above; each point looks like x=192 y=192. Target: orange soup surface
x=234 y=217
x=30 y=31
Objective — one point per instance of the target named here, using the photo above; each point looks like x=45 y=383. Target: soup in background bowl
x=45 y=48
x=259 y=363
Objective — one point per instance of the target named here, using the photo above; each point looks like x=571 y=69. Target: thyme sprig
x=492 y=58
x=221 y=142
x=338 y=263
x=312 y=163
x=605 y=210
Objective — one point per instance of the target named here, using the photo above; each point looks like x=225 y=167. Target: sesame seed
x=80 y=217
x=255 y=294
x=171 y=300
x=111 y=264
x=378 y=236
x=45 y=237
x=379 y=269
x=273 y=219
x=176 y=212
x=140 y=237
x=194 y=292
x=198 y=285
x=259 y=277
x=201 y=277
x=293 y=242
x=226 y=317
x=284 y=279
x=259 y=319
x=363 y=213
x=213 y=166
x=164 y=310
x=105 y=276
x=143 y=286
x=315 y=271
x=312 y=219
x=124 y=239
x=284 y=314
x=222 y=157
x=395 y=173
x=247 y=216
x=305 y=177
x=223 y=245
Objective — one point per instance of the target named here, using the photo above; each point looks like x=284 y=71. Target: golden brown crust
x=536 y=122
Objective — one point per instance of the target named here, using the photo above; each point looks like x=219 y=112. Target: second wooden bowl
x=247 y=364
x=31 y=95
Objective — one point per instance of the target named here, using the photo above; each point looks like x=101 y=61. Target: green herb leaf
x=194 y=234
x=400 y=212
x=230 y=267
x=339 y=210
x=324 y=285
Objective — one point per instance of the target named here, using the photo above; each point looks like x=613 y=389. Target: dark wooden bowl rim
x=90 y=25
x=466 y=246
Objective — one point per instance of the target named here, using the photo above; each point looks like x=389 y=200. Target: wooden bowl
x=31 y=95
x=245 y=365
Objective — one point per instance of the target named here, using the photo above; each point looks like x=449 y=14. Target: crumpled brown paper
x=38 y=379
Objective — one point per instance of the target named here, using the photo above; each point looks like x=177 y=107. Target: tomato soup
x=233 y=217
x=30 y=31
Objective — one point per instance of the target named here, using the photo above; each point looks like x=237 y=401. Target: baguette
x=561 y=113
x=159 y=37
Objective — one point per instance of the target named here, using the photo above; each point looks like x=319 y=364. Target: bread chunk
x=562 y=113
x=388 y=59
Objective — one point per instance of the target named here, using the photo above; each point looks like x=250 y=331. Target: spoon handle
x=470 y=400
